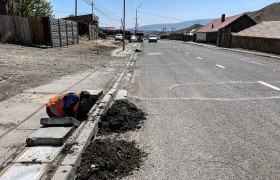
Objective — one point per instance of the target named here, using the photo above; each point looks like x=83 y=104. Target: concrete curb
x=237 y=50
x=68 y=167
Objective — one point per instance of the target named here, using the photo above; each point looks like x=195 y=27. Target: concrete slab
x=64 y=173
x=113 y=93
x=60 y=121
x=95 y=94
x=49 y=136
x=99 y=112
x=122 y=94
x=40 y=154
x=90 y=130
x=24 y=172
x=106 y=102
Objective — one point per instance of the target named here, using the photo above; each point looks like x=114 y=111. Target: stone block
x=60 y=121
x=49 y=136
x=38 y=154
x=99 y=112
x=122 y=94
x=24 y=171
x=113 y=93
x=106 y=102
x=95 y=94
x=64 y=173
x=84 y=139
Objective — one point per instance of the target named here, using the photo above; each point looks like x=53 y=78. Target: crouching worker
x=67 y=104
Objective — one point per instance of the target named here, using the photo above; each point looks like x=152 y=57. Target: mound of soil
x=109 y=159
x=123 y=116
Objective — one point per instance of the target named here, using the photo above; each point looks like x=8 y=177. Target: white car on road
x=119 y=37
x=153 y=38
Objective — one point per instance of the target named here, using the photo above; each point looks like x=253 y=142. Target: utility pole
x=136 y=24
x=92 y=10
x=123 y=24
x=76 y=9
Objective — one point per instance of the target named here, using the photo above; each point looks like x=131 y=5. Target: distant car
x=118 y=37
x=133 y=39
x=152 y=38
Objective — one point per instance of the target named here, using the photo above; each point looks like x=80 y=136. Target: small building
x=86 y=23
x=264 y=37
x=209 y=33
x=7 y=6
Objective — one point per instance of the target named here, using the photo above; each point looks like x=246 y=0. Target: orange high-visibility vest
x=56 y=105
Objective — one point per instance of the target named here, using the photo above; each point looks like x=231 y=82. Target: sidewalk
x=237 y=50
x=21 y=114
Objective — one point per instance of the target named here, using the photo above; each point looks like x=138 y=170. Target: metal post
x=92 y=10
x=136 y=24
x=123 y=24
x=76 y=11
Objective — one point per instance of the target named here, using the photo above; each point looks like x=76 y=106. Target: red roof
x=218 y=24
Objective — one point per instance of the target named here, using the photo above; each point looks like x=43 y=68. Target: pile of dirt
x=109 y=159
x=123 y=116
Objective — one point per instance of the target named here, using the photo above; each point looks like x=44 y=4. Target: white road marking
x=217 y=83
x=220 y=66
x=187 y=53
x=257 y=63
x=208 y=99
x=198 y=57
x=269 y=85
x=154 y=54
x=245 y=59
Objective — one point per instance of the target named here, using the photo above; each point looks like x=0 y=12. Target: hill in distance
x=177 y=26
x=269 y=13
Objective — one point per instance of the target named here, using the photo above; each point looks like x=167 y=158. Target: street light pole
x=136 y=24
x=123 y=24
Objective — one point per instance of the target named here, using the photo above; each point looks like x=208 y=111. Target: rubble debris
x=121 y=117
x=113 y=159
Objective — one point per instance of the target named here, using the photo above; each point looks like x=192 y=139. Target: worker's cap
x=85 y=94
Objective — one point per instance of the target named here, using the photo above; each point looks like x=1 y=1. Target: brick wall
x=267 y=45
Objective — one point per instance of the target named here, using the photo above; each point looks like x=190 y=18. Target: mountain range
x=177 y=26
x=268 y=13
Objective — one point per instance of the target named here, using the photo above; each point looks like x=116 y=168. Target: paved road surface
x=213 y=114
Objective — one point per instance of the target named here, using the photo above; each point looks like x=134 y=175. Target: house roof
x=218 y=24
x=265 y=29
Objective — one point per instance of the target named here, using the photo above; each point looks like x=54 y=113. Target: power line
x=161 y=16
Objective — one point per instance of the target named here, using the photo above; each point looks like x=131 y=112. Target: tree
x=71 y=15
x=33 y=8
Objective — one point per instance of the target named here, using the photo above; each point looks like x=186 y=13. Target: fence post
x=59 y=33
x=72 y=33
x=51 y=34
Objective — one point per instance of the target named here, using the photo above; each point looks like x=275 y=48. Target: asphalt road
x=213 y=114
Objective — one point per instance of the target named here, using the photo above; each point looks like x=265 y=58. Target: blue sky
x=157 y=11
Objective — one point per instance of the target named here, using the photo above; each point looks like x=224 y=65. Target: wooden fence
x=39 y=30
x=17 y=27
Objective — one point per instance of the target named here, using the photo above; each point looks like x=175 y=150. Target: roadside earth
x=85 y=66
x=24 y=67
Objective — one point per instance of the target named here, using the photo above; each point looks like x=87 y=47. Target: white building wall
x=201 y=37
